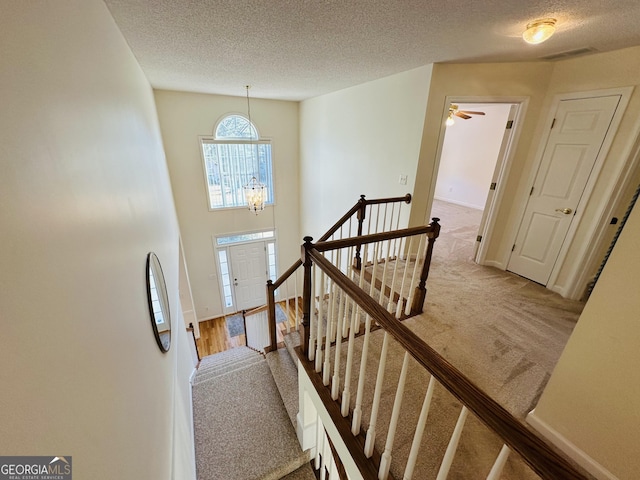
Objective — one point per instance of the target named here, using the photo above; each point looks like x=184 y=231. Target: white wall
x=185 y=116
x=592 y=397
x=359 y=141
x=84 y=195
x=469 y=154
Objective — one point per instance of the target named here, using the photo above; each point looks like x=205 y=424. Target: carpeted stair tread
x=220 y=376
x=285 y=375
x=242 y=430
x=305 y=472
x=215 y=371
x=227 y=355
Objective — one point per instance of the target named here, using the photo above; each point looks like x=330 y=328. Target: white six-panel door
x=572 y=148
x=249 y=266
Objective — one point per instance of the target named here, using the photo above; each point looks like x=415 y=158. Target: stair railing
x=331 y=380
x=365 y=217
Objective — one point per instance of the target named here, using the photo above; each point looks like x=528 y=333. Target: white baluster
x=371 y=432
x=346 y=392
x=404 y=278
x=319 y=433
x=385 y=460
x=365 y=251
x=398 y=248
x=417 y=436
x=374 y=269
x=335 y=383
x=323 y=456
x=357 y=411
x=393 y=211
x=286 y=301
x=415 y=275
x=350 y=274
x=496 y=470
x=326 y=374
x=453 y=446
x=383 y=280
x=313 y=317
x=296 y=305
x=333 y=302
x=320 y=322
x=384 y=218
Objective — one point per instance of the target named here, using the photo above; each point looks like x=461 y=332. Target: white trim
x=583 y=243
x=623 y=179
x=503 y=169
x=503 y=166
x=569 y=448
x=311 y=408
x=496 y=264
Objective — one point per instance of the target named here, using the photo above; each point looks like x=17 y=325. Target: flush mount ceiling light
x=539 y=30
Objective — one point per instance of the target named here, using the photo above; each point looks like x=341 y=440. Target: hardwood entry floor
x=215 y=338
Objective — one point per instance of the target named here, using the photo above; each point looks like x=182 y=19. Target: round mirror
x=158 y=303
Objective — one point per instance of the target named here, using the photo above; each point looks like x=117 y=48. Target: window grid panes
x=271 y=260
x=226 y=278
x=232 y=159
x=244 y=237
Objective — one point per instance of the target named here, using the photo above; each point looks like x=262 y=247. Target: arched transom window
x=232 y=158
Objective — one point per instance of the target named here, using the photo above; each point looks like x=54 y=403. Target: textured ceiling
x=297 y=49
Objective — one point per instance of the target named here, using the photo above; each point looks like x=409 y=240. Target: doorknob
x=566 y=211
x=235 y=282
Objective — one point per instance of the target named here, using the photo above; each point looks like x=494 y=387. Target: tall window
x=232 y=158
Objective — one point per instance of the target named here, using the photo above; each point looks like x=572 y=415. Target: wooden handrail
x=375 y=237
x=406 y=199
x=195 y=342
x=290 y=271
x=544 y=460
x=358 y=207
x=363 y=202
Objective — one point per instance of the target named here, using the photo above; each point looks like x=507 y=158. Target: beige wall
x=483 y=81
x=84 y=195
x=540 y=82
x=184 y=117
x=359 y=141
x=594 y=72
x=592 y=397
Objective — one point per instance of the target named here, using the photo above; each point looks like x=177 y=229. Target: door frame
x=226 y=247
x=503 y=163
x=596 y=225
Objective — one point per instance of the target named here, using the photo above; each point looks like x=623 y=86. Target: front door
x=249 y=267
x=572 y=148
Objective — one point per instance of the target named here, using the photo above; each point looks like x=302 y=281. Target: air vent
x=570 y=53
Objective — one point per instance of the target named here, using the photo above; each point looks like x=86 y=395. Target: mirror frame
x=154 y=270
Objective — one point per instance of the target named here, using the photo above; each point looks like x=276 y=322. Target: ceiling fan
x=464 y=114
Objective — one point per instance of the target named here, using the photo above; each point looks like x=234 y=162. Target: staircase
x=363 y=378
x=242 y=428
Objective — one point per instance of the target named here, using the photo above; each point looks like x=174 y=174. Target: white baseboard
x=569 y=448
x=462 y=204
x=494 y=263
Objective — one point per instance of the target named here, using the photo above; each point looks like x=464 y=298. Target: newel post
x=421 y=290
x=362 y=212
x=271 y=312
x=305 y=326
